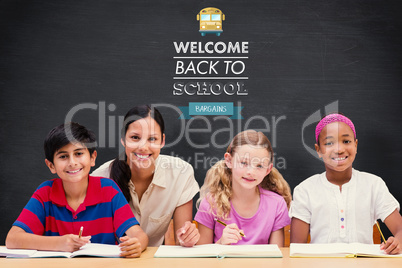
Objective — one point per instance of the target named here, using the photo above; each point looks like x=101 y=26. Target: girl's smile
x=249 y=179
x=340 y=160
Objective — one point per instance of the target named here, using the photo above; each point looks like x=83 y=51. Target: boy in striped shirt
x=58 y=209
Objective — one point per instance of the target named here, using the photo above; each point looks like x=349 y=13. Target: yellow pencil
x=81 y=229
x=379 y=229
x=224 y=224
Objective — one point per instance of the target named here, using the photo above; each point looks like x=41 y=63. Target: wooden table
x=148 y=261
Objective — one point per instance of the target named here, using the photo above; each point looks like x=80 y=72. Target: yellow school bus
x=210 y=21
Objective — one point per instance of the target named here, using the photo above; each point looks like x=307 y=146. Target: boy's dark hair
x=68 y=133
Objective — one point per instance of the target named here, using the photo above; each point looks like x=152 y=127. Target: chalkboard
x=91 y=61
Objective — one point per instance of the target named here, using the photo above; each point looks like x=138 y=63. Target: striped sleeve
x=32 y=218
x=123 y=217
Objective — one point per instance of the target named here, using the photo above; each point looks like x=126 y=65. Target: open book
x=219 y=251
x=89 y=250
x=338 y=250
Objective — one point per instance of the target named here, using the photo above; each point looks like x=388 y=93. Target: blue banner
x=210 y=108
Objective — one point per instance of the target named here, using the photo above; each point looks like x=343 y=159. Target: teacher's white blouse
x=173 y=185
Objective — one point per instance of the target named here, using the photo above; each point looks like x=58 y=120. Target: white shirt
x=342 y=216
x=173 y=185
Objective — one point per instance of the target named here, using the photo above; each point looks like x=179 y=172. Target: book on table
x=88 y=250
x=219 y=251
x=338 y=250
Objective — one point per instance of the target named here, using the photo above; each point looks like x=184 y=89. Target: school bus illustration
x=210 y=21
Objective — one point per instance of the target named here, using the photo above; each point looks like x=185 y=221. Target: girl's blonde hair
x=217 y=186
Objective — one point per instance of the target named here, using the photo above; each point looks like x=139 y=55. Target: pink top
x=272 y=215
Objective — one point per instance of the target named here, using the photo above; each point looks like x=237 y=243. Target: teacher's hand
x=188 y=235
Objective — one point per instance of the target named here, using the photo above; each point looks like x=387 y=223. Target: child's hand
x=392 y=246
x=70 y=242
x=130 y=247
x=188 y=235
x=230 y=235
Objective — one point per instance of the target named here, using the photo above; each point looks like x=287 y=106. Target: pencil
x=81 y=229
x=379 y=229
x=224 y=224
x=117 y=238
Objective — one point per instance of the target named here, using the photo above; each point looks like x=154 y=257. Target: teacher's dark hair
x=120 y=171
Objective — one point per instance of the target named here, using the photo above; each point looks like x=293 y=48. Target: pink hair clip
x=331 y=118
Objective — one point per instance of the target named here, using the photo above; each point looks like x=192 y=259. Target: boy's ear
x=228 y=160
x=93 y=158
x=50 y=165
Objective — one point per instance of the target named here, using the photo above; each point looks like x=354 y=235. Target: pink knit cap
x=331 y=118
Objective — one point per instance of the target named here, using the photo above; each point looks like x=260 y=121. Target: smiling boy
x=58 y=209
